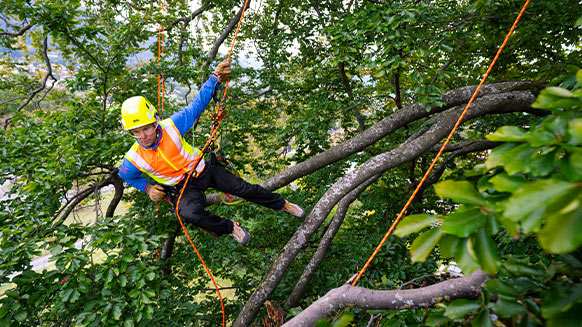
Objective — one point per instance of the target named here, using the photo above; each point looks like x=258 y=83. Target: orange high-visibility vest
x=170 y=160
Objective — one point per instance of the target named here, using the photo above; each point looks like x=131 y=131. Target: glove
x=222 y=70
x=156 y=192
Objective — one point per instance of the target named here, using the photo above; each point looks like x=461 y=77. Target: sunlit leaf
x=424 y=243
x=414 y=223
x=459 y=191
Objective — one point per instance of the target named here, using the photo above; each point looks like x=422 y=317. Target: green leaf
x=128 y=323
x=501 y=287
x=484 y=251
x=533 y=196
x=343 y=320
x=423 y=244
x=507 y=183
x=436 y=319
x=507 y=134
x=461 y=307
x=459 y=191
x=561 y=234
x=570 y=318
x=74 y=296
x=482 y=319
x=518 y=159
x=464 y=258
x=560 y=298
x=498 y=156
x=571 y=165
x=20 y=315
x=554 y=98
x=463 y=223
x=508 y=309
x=414 y=223
x=540 y=137
x=524 y=269
x=448 y=246
x=116 y=312
x=575 y=131
x=533 y=221
x=67 y=293
x=542 y=164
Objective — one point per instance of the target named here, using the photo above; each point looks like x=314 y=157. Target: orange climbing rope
x=442 y=148
x=161 y=81
x=218 y=116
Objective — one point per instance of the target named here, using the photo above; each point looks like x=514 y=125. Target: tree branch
x=318 y=256
x=350 y=94
x=49 y=73
x=186 y=20
x=212 y=54
x=518 y=101
x=21 y=31
x=352 y=296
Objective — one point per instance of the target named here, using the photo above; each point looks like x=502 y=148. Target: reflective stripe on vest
x=170 y=161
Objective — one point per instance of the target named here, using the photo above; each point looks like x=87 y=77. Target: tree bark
x=517 y=101
x=353 y=296
x=325 y=243
x=378 y=131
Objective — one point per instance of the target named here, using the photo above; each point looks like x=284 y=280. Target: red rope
x=442 y=148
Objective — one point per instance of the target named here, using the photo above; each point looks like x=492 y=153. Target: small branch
x=19 y=32
x=82 y=48
x=186 y=20
x=350 y=94
x=253 y=96
x=49 y=73
x=119 y=188
x=212 y=54
x=71 y=204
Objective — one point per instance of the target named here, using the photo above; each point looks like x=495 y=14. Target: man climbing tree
x=161 y=152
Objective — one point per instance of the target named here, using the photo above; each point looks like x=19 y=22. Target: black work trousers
x=216 y=176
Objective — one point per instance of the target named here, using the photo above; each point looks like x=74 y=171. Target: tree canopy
x=340 y=106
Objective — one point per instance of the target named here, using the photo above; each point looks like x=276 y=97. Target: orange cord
x=443 y=147
x=212 y=135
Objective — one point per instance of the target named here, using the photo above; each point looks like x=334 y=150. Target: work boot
x=239 y=234
x=294 y=209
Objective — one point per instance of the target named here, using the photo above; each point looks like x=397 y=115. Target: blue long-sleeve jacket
x=183 y=120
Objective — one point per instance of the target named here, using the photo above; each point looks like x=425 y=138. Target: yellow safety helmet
x=136 y=112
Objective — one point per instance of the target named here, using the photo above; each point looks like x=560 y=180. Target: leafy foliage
x=288 y=101
x=529 y=187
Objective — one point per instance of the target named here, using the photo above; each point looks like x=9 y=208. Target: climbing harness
x=442 y=148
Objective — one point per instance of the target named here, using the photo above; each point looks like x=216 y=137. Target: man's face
x=146 y=135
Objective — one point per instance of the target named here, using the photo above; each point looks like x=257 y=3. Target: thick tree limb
x=379 y=131
x=496 y=103
x=352 y=296
x=318 y=256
